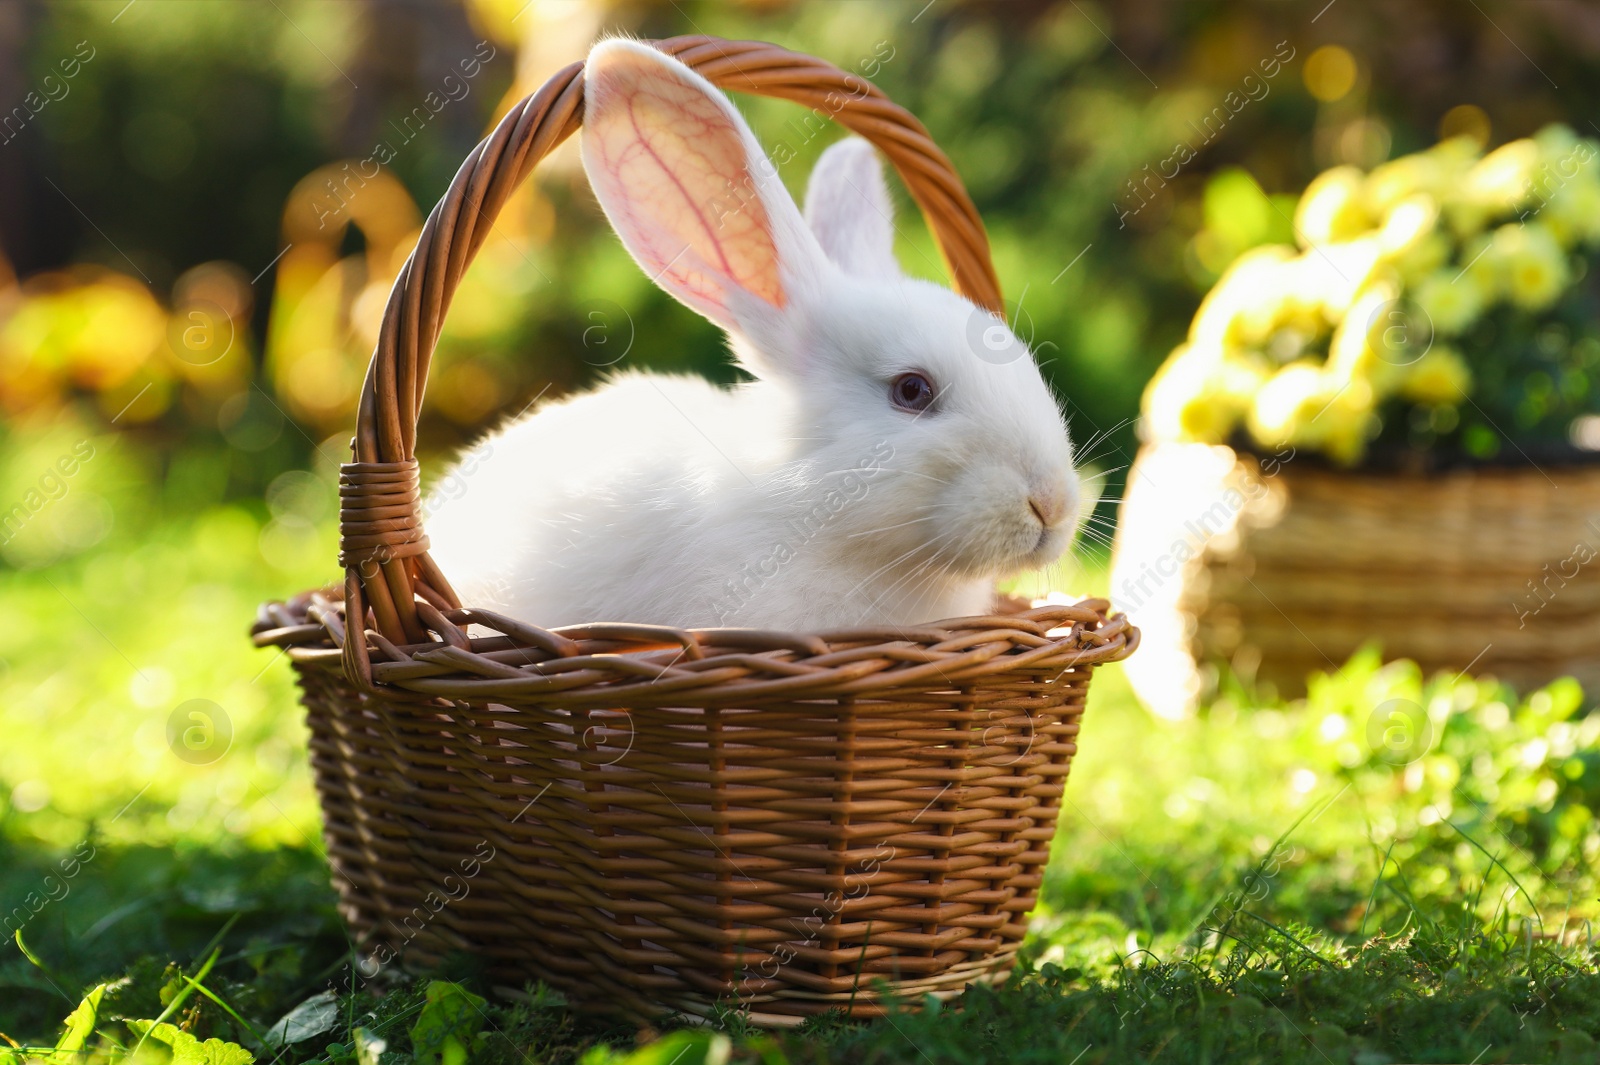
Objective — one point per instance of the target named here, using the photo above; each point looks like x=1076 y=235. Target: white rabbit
x=896 y=453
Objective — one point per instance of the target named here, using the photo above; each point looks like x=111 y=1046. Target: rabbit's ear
x=690 y=192
x=848 y=208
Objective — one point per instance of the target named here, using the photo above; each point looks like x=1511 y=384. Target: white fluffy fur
x=802 y=500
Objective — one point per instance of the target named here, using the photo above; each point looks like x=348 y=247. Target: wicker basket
x=1295 y=566
x=655 y=820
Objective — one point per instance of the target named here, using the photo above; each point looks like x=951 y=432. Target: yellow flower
x=1242 y=306
x=1239 y=380
x=1183 y=400
x=1338 y=271
x=1453 y=157
x=1400 y=179
x=1359 y=339
x=1532 y=265
x=1573 y=213
x=1306 y=405
x=1258 y=321
x=1346 y=420
x=1450 y=299
x=1408 y=225
x=1562 y=188
x=1430 y=253
x=1467 y=218
x=1331 y=209
x=1439 y=377
x=1501 y=180
x=1448 y=166
x=1301 y=294
x=1482 y=261
x=1410 y=239
x=1206 y=419
x=1555 y=143
x=1286 y=406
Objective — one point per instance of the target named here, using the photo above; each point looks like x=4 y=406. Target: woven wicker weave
x=652 y=819
x=1496 y=571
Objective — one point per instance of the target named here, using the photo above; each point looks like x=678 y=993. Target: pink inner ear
x=670 y=166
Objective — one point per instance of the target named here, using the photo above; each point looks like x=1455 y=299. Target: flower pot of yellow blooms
x=1388 y=434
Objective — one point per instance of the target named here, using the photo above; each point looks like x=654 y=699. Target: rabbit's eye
x=911 y=391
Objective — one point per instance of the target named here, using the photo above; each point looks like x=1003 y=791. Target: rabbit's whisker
x=916 y=594
x=904 y=556
x=890 y=564
x=886 y=528
x=1104 y=433
x=913 y=473
x=925 y=566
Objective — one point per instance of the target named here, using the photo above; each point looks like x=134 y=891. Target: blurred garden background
x=202 y=209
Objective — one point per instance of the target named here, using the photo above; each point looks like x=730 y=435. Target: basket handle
x=382 y=546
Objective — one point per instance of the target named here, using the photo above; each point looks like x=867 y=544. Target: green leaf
x=450 y=1017
x=172 y=1006
x=29 y=954
x=315 y=1015
x=162 y=1042
x=678 y=1048
x=369 y=1047
x=81 y=1021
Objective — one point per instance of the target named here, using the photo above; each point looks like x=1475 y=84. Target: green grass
x=1274 y=883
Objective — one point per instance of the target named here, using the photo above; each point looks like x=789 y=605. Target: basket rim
x=631 y=666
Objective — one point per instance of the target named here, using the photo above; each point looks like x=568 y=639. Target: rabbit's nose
x=1050 y=505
